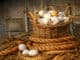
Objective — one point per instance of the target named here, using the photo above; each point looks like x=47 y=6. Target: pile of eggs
x=25 y=51
x=53 y=16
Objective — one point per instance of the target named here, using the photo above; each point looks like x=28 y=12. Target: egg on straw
x=22 y=47
x=25 y=52
x=33 y=52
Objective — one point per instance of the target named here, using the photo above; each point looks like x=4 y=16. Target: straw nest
x=67 y=56
x=41 y=56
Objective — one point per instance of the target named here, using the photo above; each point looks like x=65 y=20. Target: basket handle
x=32 y=18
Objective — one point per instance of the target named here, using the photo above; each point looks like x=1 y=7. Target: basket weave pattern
x=51 y=32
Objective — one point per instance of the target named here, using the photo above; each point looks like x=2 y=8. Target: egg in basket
x=50 y=18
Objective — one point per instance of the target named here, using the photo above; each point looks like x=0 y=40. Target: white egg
x=25 y=52
x=66 y=19
x=54 y=20
x=47 y=16
x=22 y=47
x=43 y=21
x=51 y=11
x=61 y=18
x=61 y=14
x=33 y=52
x=41 y=12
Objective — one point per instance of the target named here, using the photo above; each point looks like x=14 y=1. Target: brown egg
x=53 y=13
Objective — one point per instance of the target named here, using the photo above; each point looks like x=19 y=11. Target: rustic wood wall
x=15 y=8
x=1 y=8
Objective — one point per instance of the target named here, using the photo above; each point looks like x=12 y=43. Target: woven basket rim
x=51 y=26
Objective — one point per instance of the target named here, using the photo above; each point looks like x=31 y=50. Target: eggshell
x=22 y=47
x=33 y=52
x=53 y=12
x=43 y=21
x=25 y=52
x=50 y=11
x=47 y=16
x=61 y=18
x=66 y=19
x=41 y=12
x=55 y=20
x=61 y=14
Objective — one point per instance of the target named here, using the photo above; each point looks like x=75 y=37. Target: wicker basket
x=38 y=57
x=48 y=30
x=51 y=31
